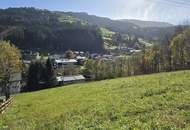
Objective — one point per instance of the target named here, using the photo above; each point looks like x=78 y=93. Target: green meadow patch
x=150 y=102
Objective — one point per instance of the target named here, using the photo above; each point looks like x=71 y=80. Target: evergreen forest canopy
x=42 y=30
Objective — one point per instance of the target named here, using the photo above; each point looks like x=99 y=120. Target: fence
x=5 y=104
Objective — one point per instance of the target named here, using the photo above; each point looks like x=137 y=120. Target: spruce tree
x=35 y=76
x=50 y=76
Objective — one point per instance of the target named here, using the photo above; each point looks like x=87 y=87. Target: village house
x=15 y=84
x=29 y=55
x=80 y=60
x=57 y=56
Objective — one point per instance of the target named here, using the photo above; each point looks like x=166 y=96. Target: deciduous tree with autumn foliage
x=10 y=63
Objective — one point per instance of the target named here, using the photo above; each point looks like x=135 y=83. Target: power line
x=174 y=3
x=180 y=2
x=171 y=2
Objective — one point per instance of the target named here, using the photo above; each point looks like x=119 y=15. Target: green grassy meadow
x=150 y=102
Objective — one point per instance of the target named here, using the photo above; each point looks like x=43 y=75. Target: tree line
x=40 y=75
x=173 y=54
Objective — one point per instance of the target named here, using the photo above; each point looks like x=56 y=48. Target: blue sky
x=173 y=11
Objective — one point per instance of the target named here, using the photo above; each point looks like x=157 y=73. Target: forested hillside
x=42 y=30
x=152 y=31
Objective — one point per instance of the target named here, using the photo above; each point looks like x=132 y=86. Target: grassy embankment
x=150 y=102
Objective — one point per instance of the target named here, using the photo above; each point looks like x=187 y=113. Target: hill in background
x=48 y=31
x=42 y=30
x=148 y=30
x=145 y=24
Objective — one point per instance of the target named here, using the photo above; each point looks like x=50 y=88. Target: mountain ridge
x=133 y=21
x=155 y=33
x=144 y=23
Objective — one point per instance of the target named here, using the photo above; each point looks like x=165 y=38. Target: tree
x=41 y=76
x=10 y=63
x=36 y=76
x=165 y=54
x=180 y=49
x=50 y=77
x=69 y=54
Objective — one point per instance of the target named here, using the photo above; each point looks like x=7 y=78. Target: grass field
x=150 y=102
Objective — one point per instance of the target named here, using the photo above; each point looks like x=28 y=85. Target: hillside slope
x=51 y=31
x=159 y=101
x=147 y=30
x=145 y=24
x=43 y=30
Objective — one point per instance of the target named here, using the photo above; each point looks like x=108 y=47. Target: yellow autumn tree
x=10 y=63
x=180 y=49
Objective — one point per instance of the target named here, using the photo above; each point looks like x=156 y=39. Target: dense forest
x=42 y=30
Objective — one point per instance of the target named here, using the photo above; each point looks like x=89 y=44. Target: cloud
x=153 y=10
x=134 y=9
x=148 y=10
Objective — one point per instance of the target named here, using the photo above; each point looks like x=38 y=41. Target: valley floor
x=150 y=102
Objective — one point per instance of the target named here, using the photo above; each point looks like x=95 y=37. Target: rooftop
x=62 y=61
x=70 y=78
